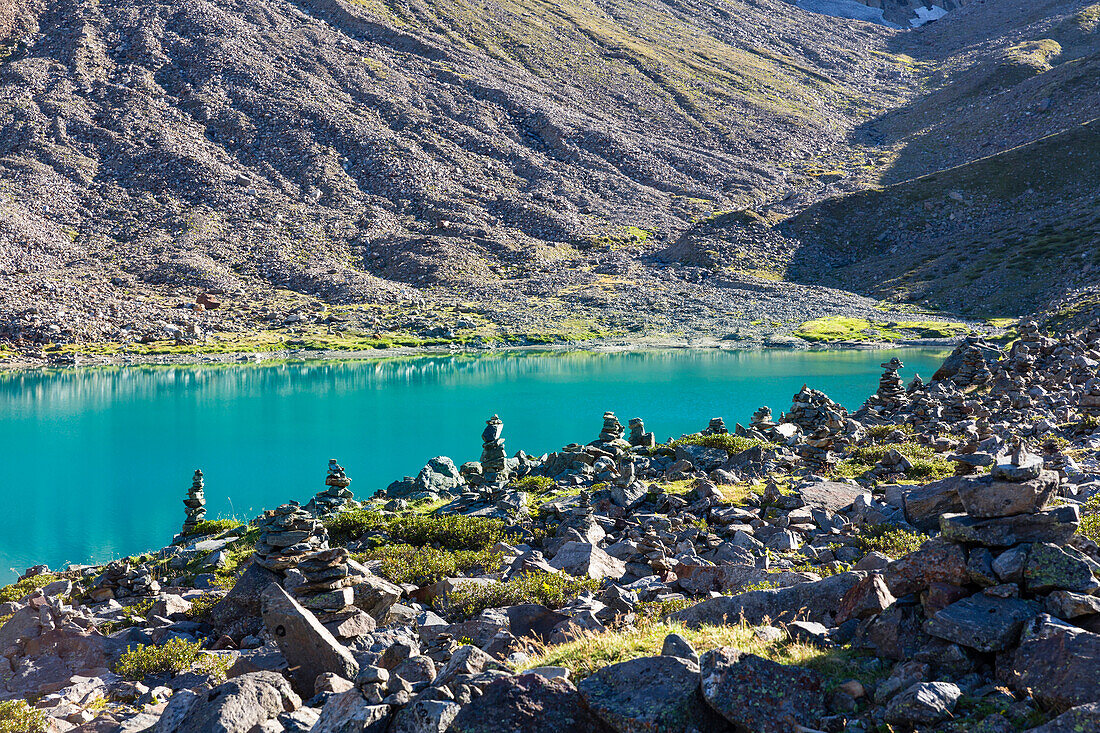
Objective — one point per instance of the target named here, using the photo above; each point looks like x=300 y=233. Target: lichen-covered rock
x=1057 y=663
x=982 y=622
x=925 y=703
x=527 y=703
x=760 y=695
x=1050 y=567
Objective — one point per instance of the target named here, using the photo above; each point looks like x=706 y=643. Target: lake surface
x=94 y=463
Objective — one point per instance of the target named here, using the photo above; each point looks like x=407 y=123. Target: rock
x=1057 y=663
x=310 y=649
x=466 y=660
x=759 y=695
x=987 y=497
x=924 y=504
x=866 y=598
x=982 y=622
x=425 y=716
x=236 y=706
x=833 y=496
x=925 y=703
x=527 y=703
x=195 y=504
x=1050 y=567
x=811 y=601
x=676 y=645
x=649 y=693
x=372 y=594
x=348 y=712
x=1055 y=525
x=1081 y=719
x=242 y=603
x=935 y=562
x=1068 y=605
x=584 y=559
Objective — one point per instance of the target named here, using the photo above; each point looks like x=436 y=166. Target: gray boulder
x=649 y=693
x=760 y=695
x=982 y=622
x=310 y=649
x=584 y=559
x=987 y=497
x=236 y=706
x=1055 y=525
x=1050 y=567
x=924 y=504
x=923 y=704
x=1081 y=719
x=812 y=601
x=527 y=703
x=1057 y=663
x=425 y=716
x=348 y=712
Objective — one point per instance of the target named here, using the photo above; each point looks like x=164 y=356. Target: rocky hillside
x=280 y=154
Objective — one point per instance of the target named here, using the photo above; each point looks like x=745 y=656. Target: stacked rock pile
x=717 y=426
x=336 y=496
x=323 y=580
x=1089 y=403
x=494 y=461
x=974 y=370
x=195 y=504
x=639 y=438
x=286 y=535
x=121 y=579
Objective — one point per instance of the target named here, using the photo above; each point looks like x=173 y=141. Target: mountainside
x=474 y=169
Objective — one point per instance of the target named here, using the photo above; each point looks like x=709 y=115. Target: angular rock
x=527 y=703
x=584 y=559
x=1081 y=719
x=310 y=649
x=348 y=712
x=1049 y=567
x=1068 y=605
x=925 y=703
x=925 y=504
x=425 y=716
x=866 y=598
x=236 y=706
x=812 y=601
x=648 y=693
x=374 y=595
x=759 y=695
x=935 y=562
x=831 y=495
x=1057 y=663
x=1055 y=525
x=982 y=622
x=987 y=497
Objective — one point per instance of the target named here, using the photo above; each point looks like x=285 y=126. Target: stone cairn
x=717 y=426
x=323 y=580
x=973 y=371
x=762 y=419
x=286 y=535
x=120 y=579
x=336 y=495
x=494 y=461
x=825 y=425
x=891 y=392
x=916 y=384
x=195 y=504
x=611 y=436
x=1090 y=399
x=638 y=436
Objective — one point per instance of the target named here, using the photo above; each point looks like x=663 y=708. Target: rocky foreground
x=929 y=562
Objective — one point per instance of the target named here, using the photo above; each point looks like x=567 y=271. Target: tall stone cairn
x=494 y=461
x=717 y=426
x=612 y=428
x=638 y=436
x=973 y=370
x=336 y=494
x=287 y=534
x=195 y=503
x=762 y=419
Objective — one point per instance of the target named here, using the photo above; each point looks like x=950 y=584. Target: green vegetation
x=591 y=652
x=628 y=236
x=16 y=591
x=553 y=590
x=173 y=657
x=212 y=526
x=426 y=565
x=1088 y=20
x=201 y=606
x=833 y=329
x=1090 y=519
x=1034 y=56
x=535 y=485
x=927 y=465
x=448 y=531
x=892 y=541
x=16 y=716
x=728 y=442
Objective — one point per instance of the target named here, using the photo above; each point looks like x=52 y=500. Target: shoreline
x=609 y=346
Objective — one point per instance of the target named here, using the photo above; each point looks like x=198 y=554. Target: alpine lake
x=96 y=461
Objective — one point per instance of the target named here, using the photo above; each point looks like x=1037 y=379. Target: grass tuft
x=553 y=590
x=426 y=565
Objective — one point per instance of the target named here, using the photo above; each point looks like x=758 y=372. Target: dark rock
x=925 y=703
x=1055 y=525
x=242 y=603
x=982 y=622
x=1057 y=663
x=925 y=504
x=236 y=706
x=1050 y=567
x=528 y=703
x=987 y=497
x=759 y=695
x=310 y=649
x=935 y=562
x=866 y=598
x=811 y=601
x=1081 y=719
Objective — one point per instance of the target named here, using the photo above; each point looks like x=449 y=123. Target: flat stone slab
x=831 y=495
x=987 y=497
x=1055 y=525
x=982 y=622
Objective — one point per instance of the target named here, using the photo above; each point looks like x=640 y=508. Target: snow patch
x=927 y=15
x=850 y=9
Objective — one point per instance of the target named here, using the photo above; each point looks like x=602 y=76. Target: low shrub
x=173 y=657
x=347 y=527
x=212 y=526
x=1090 y=519
x=535 y=485
x=16 y=591
x=553 y=590
x=201 y=605
x=928 y=465
x=425 y=565
x=889 y=540
x=448 y=531
x=728 y=442
x=16 y=716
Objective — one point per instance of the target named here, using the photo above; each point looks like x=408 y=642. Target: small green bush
x=1090 y=519
x=535 y=485
x=173 y=657
x=889 y=540
x=553 y=590
x=16 y=591
x=347 y=527
x=927 y=464
x=728 y=442
x=425 y=565
x=16 y=716
x=212 y=526
x=448 y=531
x=200 y=606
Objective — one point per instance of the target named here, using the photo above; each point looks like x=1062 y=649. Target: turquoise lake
x=96 y=462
